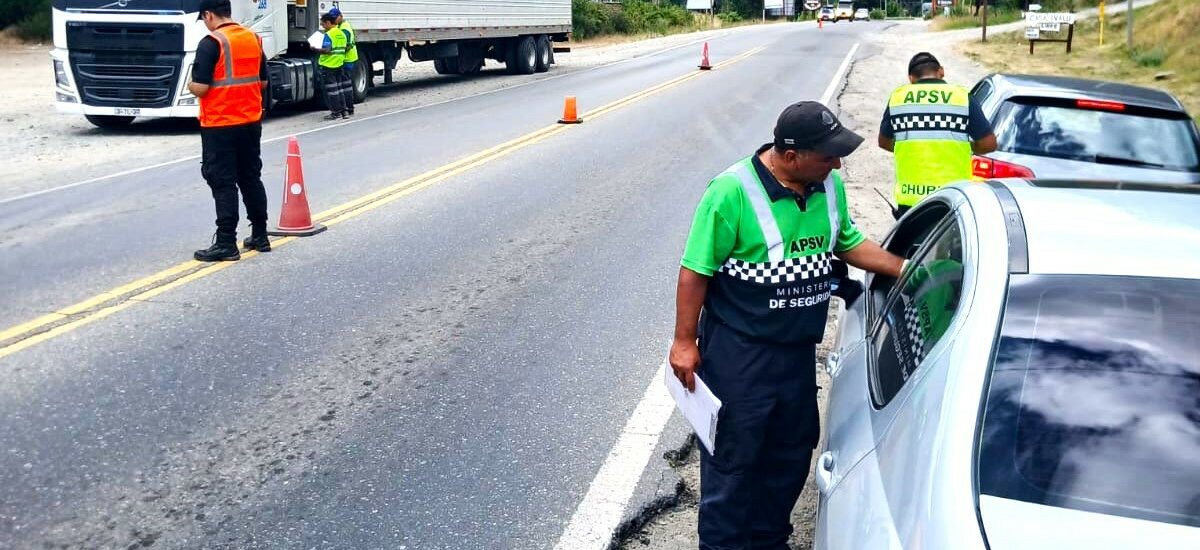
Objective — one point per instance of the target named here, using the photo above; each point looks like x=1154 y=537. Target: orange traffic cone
x=294 y=218
x=569 y=114
x=704 y=64
x=820 y=22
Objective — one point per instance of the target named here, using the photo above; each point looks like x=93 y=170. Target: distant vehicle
x=845 y=10
x=861 y=14
x=1073 y=128
x=1029 y=383
x=826 y=14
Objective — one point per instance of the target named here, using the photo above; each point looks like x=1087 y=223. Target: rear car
x=1062 y=127
x=1030 y=382
x=861 y=14
x=826 y=14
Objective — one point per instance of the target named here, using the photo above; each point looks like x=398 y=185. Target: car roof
x=1109 y=228
x=1065 y=86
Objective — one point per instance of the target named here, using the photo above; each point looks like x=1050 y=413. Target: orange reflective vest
x=235 y=95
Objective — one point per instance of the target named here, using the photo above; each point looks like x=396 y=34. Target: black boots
x=257 y=242
x=220 y=251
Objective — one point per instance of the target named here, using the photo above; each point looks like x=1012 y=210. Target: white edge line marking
x=600 y=512
x=364 y=119
x=837 y=77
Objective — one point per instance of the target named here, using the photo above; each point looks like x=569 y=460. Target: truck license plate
x=126 y=112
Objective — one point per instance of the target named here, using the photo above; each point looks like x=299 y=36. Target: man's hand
x=685 y=359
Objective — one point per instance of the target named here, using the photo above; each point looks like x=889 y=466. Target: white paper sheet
x=700 y=408
x=316 y=40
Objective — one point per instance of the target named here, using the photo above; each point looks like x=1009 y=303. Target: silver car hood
x=1016 y=525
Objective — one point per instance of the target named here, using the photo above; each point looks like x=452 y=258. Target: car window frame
x=951 y=220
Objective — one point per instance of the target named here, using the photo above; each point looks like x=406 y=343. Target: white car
x=861 y=14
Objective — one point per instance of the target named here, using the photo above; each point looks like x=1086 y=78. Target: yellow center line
x=48 y=326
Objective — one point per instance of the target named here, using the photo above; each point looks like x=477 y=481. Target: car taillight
x=1099 y=105
x=983 y=167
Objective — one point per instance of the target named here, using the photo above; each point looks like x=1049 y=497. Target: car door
x=850 y=435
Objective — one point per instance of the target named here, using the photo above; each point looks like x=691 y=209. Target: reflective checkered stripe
x=914 y=336
x=946 y=123
x=784 y=271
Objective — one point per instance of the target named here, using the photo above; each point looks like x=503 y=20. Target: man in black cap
x=932 y=127
x=754 y=287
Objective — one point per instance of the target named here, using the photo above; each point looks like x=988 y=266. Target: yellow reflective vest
x=929 y=121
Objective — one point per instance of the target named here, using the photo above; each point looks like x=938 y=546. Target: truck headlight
x=60 y=75
x=64 y=98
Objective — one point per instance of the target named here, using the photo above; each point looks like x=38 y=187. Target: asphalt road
x=447 y=369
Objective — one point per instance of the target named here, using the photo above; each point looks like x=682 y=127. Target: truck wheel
x=543 y=55
x=446 y=65
x=360 y=79
x=109 y=122
x=522 y=58
x=469 y=66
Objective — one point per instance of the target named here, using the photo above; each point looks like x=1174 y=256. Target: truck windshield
x=183 y=6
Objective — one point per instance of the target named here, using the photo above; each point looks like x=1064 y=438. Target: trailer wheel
x=446 y=65
x=360 y=78
x=109 y=122
x=522 y=57
x=469 y=65
x=543 y=54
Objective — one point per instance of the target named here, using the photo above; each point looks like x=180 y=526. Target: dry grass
x=1168 y=25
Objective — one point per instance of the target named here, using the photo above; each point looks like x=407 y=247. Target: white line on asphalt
x=364 y=119
x=599 y=514
x=837 y=77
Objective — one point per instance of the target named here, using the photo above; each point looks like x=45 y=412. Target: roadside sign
x=1039 y=18
x=1033 y=33
x=1050 y=27
x=812 y=5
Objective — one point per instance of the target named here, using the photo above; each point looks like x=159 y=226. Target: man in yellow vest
x=228 y=75
x=332 y=62
x=351 y=58
x=933 y=128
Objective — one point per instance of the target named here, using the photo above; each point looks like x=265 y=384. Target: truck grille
x=127 y=96
x=132 y=72
x=132 y=65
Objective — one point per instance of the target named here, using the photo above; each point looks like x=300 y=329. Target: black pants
x=336 y=82
x=348 y=89
x=899 y=211
x=766 y=433
x=232 y=161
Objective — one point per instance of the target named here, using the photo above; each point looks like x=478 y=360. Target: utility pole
x=985 y=5
x=1129 y=27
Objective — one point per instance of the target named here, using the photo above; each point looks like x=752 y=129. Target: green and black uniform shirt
x=768 y=251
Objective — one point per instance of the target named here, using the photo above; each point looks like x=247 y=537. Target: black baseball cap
x=209 y=5
x=809 y=125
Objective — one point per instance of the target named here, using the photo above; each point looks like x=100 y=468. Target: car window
x=918 y=312
x=1093 y=400
x=1130 y=138
x=908 y=237
x=982 y=91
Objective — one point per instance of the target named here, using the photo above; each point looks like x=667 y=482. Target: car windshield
x=1107 y=137
x=1094 y=397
